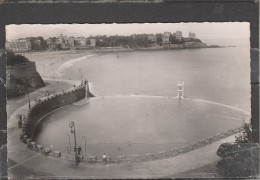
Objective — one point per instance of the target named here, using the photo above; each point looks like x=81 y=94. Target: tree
x=12 y=59
x=246 y=135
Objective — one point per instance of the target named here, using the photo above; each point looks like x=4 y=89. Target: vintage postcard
x=148 y=100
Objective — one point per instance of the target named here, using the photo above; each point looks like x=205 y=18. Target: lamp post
x=85 y=144
x=72 y=125
x=27 y=87
x=69 y=143
x=80 y=75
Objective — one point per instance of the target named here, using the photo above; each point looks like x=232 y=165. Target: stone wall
x=47 y=105
x=21 y=78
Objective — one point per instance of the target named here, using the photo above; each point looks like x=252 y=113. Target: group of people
x=21 y=119
x=79 y=150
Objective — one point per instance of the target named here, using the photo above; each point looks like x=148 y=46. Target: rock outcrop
x=22 y=78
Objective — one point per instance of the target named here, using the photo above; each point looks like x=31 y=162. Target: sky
x=204 y=31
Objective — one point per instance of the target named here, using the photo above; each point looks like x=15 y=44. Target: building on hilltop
x=52 y=44
x=19 y=45
x=152 y=38
x=192 y=35
x=81 y=41
x=93 y=42
x=63 y=39
x=71 y=41
x=178 y=35
x=166 y=38
x=49 y=40
x=63 y=42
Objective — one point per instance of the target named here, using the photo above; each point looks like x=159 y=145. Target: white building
x=19 y=45
x=63 y=39
x=178 y=35
x=81 y=41
x=93 y=42
x=152 y=38
x=166 y=38
x=71 y=41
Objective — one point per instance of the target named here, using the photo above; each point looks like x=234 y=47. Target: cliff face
x=22 y=78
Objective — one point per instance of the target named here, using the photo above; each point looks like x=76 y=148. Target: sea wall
x=21 y=78
x=49 y=104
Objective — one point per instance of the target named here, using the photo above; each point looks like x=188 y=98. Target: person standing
x=79 y=150
x=24 y=119
x=104 y=158
x=19 y=120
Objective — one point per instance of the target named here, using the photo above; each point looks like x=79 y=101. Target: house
x=152 y=38
x=192 y=35
x=52 y=46
x=178 y=35
x=38 y=42
x=93 y=42
x=166 y=38
x=81 y=41
x=71 y=41
x=19 y=45
x=63 y=42
x=62 y=39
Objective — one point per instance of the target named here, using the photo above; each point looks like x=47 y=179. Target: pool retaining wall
x=49 y=104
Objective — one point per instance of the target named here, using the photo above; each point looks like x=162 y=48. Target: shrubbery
x=13 y=59
x=239 y=158
x=246 y=135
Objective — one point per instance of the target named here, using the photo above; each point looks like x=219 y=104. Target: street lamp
x=85 y=144
x=72 y=130
x=69 y=143
x=80 y=75
x=26 y=86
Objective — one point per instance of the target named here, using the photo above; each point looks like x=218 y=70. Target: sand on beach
x=48 y=62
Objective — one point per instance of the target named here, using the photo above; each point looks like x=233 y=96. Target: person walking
x=104 y=158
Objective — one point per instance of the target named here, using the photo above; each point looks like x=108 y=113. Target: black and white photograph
x=136 y=100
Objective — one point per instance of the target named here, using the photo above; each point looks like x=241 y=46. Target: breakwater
x=46 y=105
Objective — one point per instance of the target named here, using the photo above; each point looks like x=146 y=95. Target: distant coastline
x=158 y=41
x=152 y=48
x=124 y=49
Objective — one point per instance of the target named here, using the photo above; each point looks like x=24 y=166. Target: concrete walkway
x=53 y=167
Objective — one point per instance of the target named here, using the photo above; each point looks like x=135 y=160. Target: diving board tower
x=180 y=91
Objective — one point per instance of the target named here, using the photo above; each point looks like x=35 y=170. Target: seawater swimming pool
x=139 y=125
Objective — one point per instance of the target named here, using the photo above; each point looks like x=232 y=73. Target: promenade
x=24 y=163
